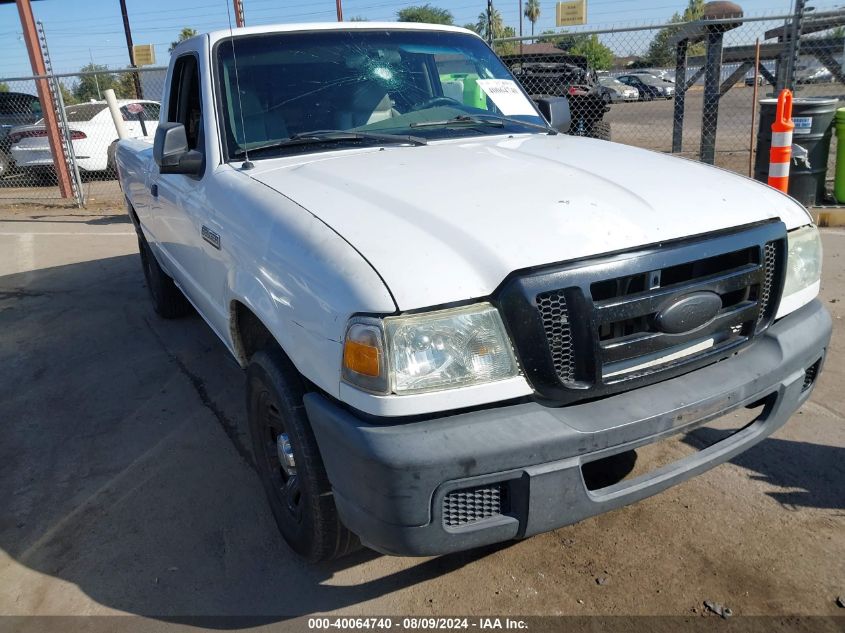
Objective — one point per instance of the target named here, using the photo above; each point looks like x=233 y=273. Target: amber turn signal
x=361 y=358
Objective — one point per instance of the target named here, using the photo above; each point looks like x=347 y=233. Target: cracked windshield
x=302 y=92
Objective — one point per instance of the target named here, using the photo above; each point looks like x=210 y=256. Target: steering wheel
x=437 y=101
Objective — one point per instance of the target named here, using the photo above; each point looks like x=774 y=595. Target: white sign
x=507 y=96
x=803 y=124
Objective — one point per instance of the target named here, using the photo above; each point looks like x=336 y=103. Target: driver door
x=187 y=238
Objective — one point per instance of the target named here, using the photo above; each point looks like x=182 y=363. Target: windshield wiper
x=335 y=136
x=493 y=120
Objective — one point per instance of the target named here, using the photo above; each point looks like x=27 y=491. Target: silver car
x=613 y=90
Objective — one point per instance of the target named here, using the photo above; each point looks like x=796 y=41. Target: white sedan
x=92 y=133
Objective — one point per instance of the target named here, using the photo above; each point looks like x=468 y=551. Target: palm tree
x=482 y=26
x=184 y=34
x=532 y=12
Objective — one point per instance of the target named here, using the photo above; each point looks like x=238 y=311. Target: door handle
x=154 y=190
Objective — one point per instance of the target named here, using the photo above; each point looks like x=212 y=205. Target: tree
x=425 y=13
x=599 y=56
x=125 y=86
x=506 y=48
x=660 y=52
x=482 y=26
x=68 y=98
x=358 y=18
x=4 y=87
x=92 y=86
x=471 y=27
x=532 y=12
x=185 y=34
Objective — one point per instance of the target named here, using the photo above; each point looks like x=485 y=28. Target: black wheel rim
x=285 y=483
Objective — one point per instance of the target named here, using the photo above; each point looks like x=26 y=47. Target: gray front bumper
x=389 y=479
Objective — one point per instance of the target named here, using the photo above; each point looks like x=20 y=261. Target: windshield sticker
x=507 y=96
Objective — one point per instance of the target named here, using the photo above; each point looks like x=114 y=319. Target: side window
x=185 y=105
x=151 y=111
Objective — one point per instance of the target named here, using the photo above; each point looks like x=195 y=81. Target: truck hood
x=449 y=221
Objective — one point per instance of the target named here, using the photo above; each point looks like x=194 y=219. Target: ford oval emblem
x=688 y=313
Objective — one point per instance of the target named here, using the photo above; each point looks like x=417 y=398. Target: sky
x=81 y=30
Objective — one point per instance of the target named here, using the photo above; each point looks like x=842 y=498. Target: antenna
x=247 y=164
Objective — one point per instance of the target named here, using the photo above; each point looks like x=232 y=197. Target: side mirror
x=556 y=111
x=171 y=152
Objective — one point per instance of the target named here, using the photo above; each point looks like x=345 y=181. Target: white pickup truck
x=454 y=319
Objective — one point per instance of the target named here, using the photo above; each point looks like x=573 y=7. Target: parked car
x=92 y=132
x=654 y=72
x=814 y=75
x=613 y=90
x=562 y=74
x=16 y=108
x=455 y=321
x=649 y=86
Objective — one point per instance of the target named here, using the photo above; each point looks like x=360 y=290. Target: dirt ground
x=127 y=485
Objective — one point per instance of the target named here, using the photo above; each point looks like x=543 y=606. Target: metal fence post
x=680 y=95
x=795 y=44
x=67 y=138
x=71 y=155
x=710 y=110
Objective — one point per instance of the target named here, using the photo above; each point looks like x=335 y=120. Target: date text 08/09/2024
x=418 y=623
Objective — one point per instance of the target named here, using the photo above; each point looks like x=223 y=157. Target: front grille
x=469 y=505
x=770 y=266
x=552 y=307
x=590 y=329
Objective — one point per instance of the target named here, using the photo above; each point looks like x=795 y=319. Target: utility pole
x=490 y=22
x=520 y=27
x=138 y=92
x=339 y=10
x=239 y=13
x=48 y=105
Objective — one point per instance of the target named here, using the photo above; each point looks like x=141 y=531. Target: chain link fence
x=691 y=89
x=87 y=134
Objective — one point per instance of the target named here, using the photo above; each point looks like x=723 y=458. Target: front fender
x=301 y=279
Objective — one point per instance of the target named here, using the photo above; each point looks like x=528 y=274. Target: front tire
x=168 y=301
x=289 y=463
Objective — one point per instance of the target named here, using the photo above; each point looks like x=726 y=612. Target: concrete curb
x=829 y=217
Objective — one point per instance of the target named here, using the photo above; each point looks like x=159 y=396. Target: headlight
x=804 y=260
x=427 y=352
